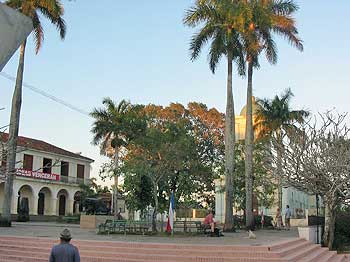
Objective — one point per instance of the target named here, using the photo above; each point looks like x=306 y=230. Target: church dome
x=255 y=107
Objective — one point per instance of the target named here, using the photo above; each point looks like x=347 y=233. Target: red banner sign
x=37 y=175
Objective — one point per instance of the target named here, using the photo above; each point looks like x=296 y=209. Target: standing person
x=278 y=219
x=262 y=219
x=65 y=251
x=287 y=217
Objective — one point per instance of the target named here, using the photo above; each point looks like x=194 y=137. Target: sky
x=138 y=50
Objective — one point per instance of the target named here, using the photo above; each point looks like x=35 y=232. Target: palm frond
x=291 y=37
x=201 y=12
x=217 y=49
x=38 y=32
x=283 y=7
x=200 y=39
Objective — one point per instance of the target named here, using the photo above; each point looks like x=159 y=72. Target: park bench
x=104 y=227
x=138 y=227
x=189 y=226
x=117 y=226
x=71 y=219
x=123 y=226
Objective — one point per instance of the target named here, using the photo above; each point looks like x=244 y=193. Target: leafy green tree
x=221 y=22
x=162 y=155
x=275 y=119
x=263 y=20
x=53 y=11
x=263 y=188
x=138 y=188
x=175 y=154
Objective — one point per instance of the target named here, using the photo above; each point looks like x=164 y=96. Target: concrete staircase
x=37 y=249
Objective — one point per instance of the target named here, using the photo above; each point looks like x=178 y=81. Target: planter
x=310 y=233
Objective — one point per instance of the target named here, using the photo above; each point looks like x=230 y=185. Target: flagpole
x=173 y=206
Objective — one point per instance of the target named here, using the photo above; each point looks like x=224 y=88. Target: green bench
x=123 y=226
x=71 y=219
x=189 y=226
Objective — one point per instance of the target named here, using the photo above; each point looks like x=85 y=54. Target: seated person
x=209 y=221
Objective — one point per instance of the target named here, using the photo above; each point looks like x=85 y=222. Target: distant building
x=47 y=176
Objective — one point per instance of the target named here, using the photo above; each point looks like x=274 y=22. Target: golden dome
x=255 y=107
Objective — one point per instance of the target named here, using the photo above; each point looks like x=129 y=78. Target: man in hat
x=65 y=251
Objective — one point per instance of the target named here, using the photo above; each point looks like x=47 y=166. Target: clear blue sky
x=138 y=50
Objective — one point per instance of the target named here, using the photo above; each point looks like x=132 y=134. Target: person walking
x=64 y=251
x=287 y=217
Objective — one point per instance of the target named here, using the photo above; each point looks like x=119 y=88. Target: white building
x=47 y=176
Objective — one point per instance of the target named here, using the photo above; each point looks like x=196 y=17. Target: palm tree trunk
x=229 y=148
x=249 y=139
x=115 y=191
x=13 y=136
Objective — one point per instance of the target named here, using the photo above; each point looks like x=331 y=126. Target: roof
x=255 y=107
x=39 y=145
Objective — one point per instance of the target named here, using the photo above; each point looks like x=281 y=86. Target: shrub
x=4 y=223
x=342 y=231
x=268 y=220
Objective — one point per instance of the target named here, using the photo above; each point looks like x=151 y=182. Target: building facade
x=47 y=178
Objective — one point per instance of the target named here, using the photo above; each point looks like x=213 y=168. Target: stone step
x=328 y=257
x=11 y=258
x=302 y=252
x=135 y=256
x=194 y=256
x=292 y=248
x=38 y=249
x=315 y=256
x=286 y=243
x=111 y=251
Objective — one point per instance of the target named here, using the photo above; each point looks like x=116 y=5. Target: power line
x=47 y=95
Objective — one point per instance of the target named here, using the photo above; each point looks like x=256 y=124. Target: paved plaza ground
x=52 y=230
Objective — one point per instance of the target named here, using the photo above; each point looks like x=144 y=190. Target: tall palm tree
x=265 y=19
x=109 y=129
x=53 y=11
x=276 y=119
x=220 y=22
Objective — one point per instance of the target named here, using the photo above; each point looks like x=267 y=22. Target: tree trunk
x=279 y=168
x=249 y=140
x=155 y=210
x=115 y=191
x=229 y=148
x=328 y=236
x=13 y=136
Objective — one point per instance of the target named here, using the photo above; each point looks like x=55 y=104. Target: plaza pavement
x=52 y=230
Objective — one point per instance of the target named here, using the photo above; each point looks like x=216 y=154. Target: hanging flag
x=170 y=224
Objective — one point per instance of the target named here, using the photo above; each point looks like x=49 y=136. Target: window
x=64 y=168
x=80 y=171
x=28 y=162
x=47 y=164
